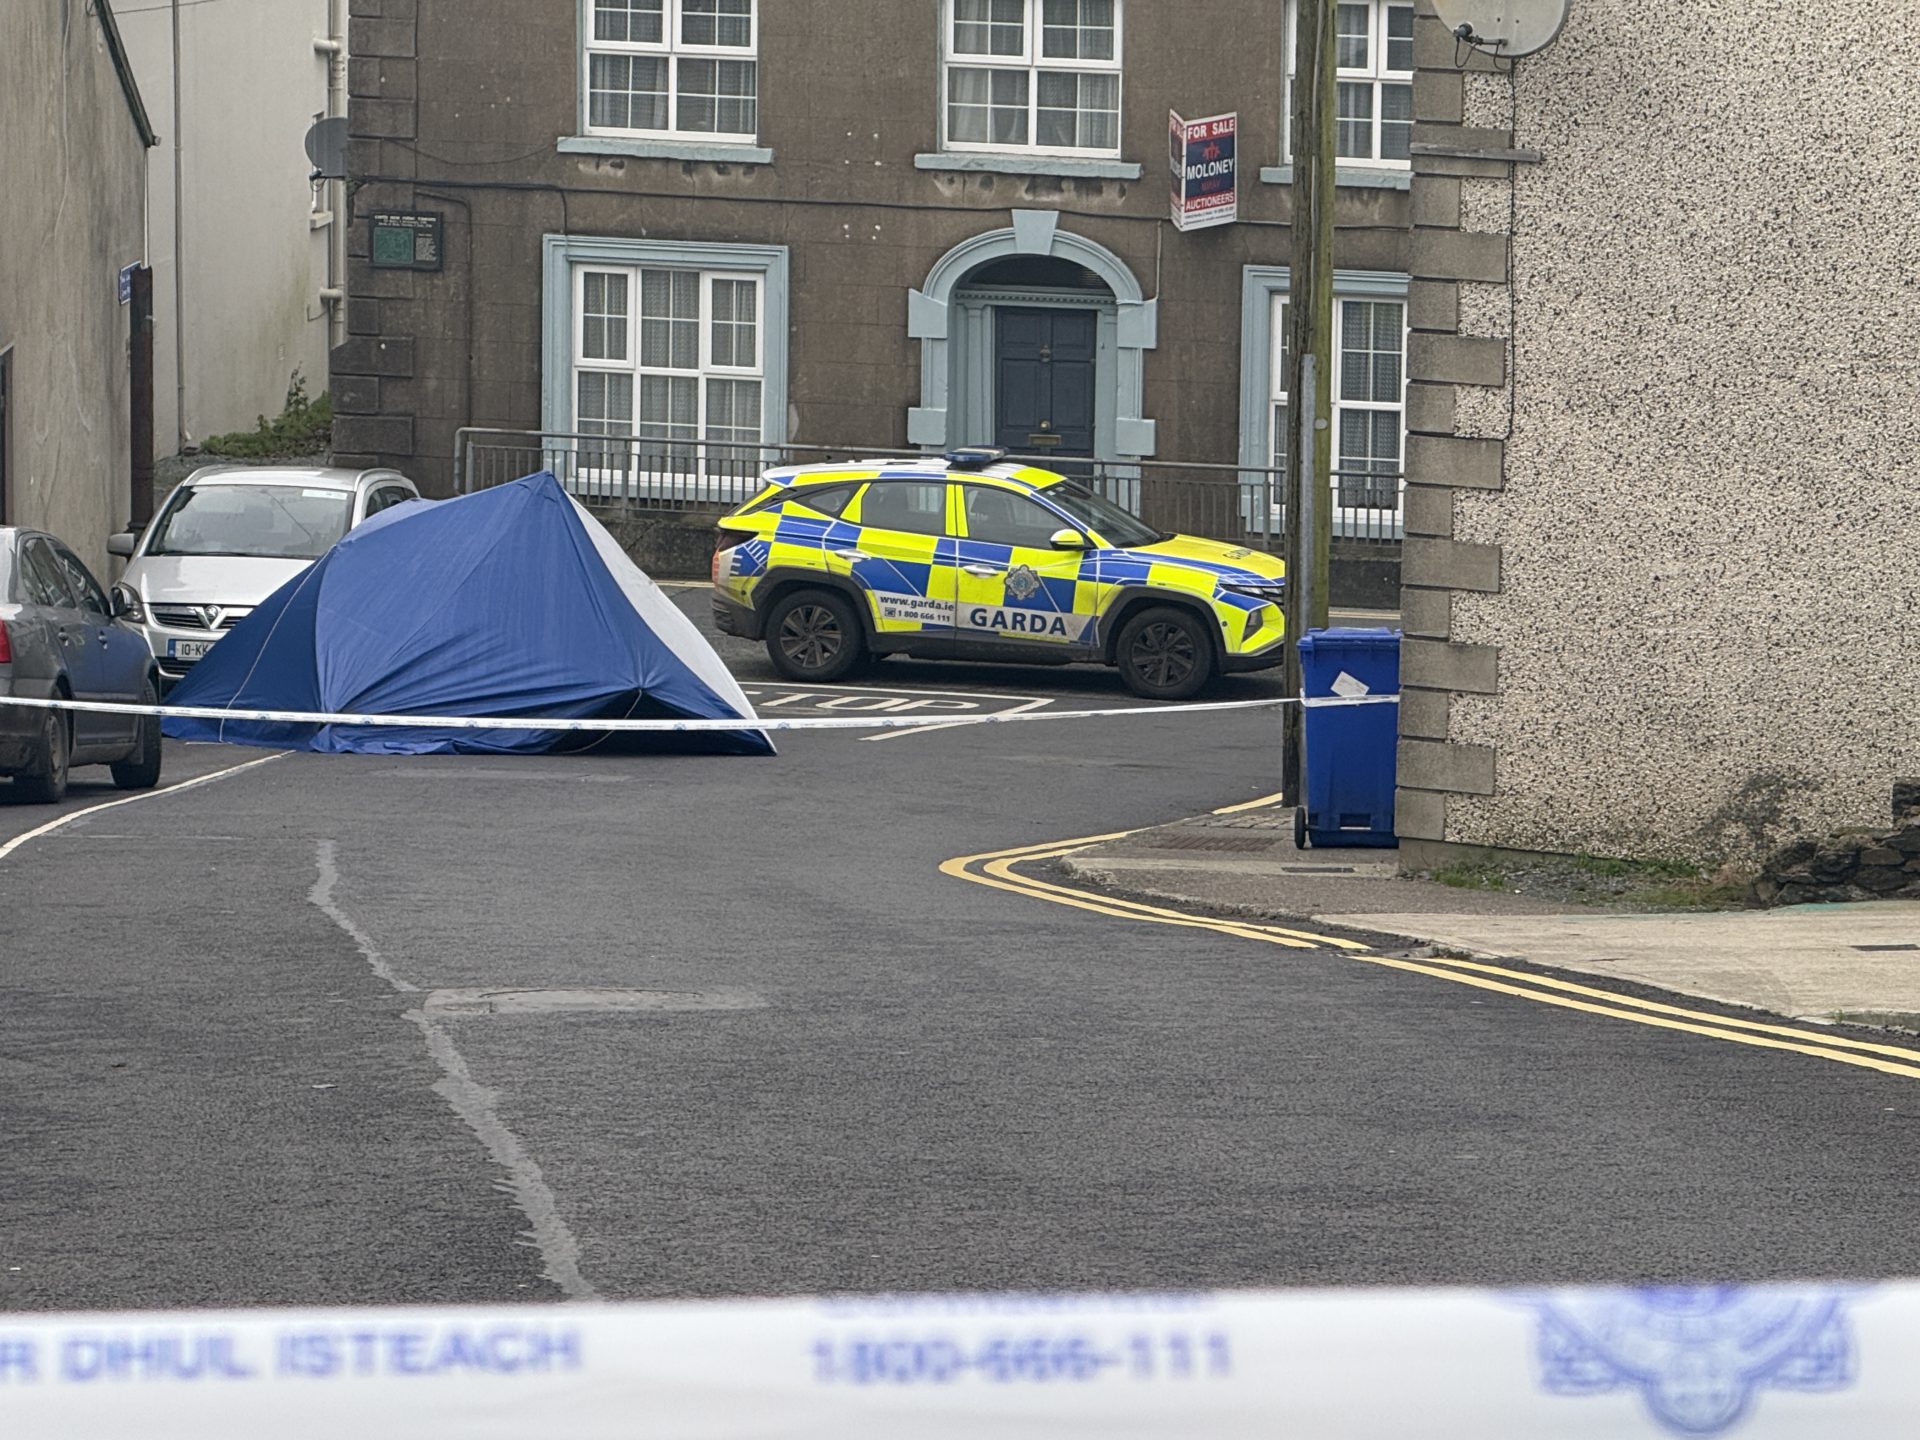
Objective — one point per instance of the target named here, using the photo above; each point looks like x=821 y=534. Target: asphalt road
x=753 y=1042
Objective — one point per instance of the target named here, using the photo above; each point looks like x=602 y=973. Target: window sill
x=1355 y=176
x=1072 y=166
x=720 y=152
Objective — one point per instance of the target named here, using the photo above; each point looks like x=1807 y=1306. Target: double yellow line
x=996 y=869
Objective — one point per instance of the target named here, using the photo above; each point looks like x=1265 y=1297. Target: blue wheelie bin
x=1350 y=758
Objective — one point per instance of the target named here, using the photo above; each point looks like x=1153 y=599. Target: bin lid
x=1351 y=637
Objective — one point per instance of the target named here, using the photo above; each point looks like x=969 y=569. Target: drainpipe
x=333 y=295
x=181 y=438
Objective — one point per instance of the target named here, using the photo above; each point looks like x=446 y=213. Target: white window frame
x=674 y=48
x=1034 y=63
x=708 y=455
x=1376 y=73
x=1277 y=394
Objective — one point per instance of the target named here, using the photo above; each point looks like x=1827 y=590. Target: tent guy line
x=689 y=726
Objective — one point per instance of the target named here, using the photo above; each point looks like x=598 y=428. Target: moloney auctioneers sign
x=1205 y=188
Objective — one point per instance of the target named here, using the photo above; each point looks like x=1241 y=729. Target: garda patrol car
x=971 y=558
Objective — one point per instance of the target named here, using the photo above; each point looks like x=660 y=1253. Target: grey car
x=59 y=638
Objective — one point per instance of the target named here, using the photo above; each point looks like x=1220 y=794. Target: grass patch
x=1609 y=867
x=1601 y=880
x=304 y=427
x=1473 y=875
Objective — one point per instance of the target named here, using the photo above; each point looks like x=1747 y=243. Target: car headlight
x=130 y=601
x=1269 y=590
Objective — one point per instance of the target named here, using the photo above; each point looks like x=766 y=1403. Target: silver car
x=227 y=538
x=59 y=639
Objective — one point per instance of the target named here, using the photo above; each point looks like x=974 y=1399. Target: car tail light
x=6 y=645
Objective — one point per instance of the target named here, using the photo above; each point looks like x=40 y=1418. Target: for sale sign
x=1205 y=173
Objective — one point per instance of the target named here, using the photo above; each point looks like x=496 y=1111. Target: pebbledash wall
x=1662 y=589
x=862 y=226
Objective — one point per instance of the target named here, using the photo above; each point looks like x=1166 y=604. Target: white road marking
x=476 y=1104
x=752 y=686
x=958 y=724
x=895 y=701
x=68 y=819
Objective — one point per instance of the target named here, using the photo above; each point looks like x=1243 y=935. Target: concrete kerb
x=1855 y=963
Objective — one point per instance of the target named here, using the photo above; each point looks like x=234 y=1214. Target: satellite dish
x=327 y=148
x=1507 y=28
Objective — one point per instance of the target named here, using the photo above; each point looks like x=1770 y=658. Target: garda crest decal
x=1698 y=1354
x=1022 y=583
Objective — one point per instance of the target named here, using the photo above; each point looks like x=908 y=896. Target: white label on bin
x=1348 y=688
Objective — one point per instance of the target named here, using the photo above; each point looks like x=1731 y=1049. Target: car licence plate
x=188 y=649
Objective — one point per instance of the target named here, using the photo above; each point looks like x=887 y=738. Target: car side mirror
x=122 y=544
x=1070 y=540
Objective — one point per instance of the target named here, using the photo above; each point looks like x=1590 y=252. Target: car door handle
x=984 y=570
x=853 y=554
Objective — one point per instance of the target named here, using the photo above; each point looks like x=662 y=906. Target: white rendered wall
x=251 y=265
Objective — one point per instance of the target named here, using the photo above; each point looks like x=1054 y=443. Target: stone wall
x=667 y=547
x=1853 y=864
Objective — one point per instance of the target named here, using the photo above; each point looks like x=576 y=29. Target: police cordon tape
x=1766 y=1362
x=620 y=726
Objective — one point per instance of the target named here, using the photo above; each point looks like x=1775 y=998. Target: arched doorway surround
x=954 y=325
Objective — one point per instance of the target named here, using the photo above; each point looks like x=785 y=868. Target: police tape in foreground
x=1764 y=1361
x=734 y=725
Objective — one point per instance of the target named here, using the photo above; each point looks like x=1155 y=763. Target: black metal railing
x=1225 y=502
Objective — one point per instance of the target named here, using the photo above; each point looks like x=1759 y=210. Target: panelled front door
x=1043 y=376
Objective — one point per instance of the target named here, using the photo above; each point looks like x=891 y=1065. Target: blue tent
x=510 y=602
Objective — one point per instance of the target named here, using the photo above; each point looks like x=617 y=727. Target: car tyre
x=46 y=782
x=141 y=769
x=814 y=635
x=1164 y=654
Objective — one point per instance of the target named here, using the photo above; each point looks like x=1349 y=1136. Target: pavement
x=1858 y=963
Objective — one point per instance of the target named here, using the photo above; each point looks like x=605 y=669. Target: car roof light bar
x=976 y=455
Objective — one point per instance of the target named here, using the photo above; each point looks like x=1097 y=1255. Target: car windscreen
x=268 y=522
x=1101 y=515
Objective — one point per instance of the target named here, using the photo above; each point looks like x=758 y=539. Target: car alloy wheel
x=811 y=637
x=1164 y=655
x=48 y=782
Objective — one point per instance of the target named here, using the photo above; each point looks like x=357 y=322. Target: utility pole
x=1309 y=377
x=140 y=386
